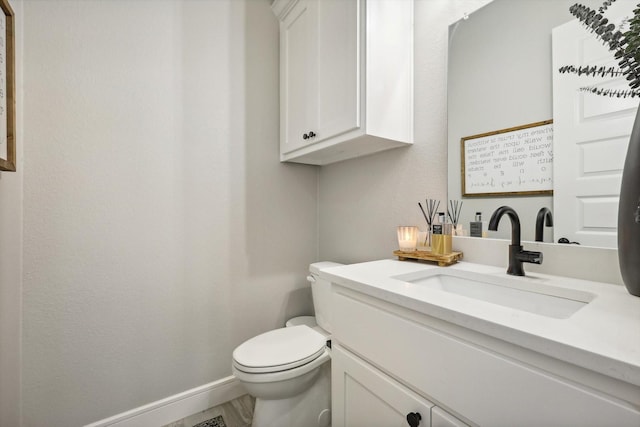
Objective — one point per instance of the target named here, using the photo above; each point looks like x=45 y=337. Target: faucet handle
x=532 y=257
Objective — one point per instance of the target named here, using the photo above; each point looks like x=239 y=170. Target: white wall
x=11 y=184
x=363 y=200
x=157 y=218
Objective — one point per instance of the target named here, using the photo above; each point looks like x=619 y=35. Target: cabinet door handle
x=305 y=136
x=311 y=134
x=413 y=418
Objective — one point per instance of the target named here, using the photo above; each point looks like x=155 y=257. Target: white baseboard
x=178 y=406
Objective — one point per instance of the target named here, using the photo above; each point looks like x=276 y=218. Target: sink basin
x=517 y=293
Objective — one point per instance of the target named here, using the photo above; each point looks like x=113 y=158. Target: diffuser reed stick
x=429 y=215
x=454 y=212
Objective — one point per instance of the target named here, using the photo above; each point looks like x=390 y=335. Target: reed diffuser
x=454 y=213
x=429 y=216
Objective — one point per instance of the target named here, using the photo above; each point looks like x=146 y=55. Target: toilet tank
x=321 y=292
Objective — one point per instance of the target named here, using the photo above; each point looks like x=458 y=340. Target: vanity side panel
x=480 y=385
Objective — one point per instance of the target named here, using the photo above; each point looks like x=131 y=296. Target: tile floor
x=236 y=413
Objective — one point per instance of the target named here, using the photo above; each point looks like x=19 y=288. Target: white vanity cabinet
x=364 y=396
x=346 y=78
x=389 y=361
x=441 y=418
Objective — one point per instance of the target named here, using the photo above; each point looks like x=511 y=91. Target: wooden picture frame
x=517 y=161
x=7 y=89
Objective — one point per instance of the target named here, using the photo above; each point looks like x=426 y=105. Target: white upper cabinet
x=346 y=78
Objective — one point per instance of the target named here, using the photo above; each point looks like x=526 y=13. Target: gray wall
x=156 y=213
x=11 y=184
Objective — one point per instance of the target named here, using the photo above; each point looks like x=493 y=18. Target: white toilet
x=288 y=370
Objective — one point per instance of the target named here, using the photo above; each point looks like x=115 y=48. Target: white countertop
x=603 y=336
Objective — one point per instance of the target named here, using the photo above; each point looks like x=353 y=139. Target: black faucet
x=544 y=218
x=516 y=254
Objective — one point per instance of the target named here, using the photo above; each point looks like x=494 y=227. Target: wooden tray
x=442 y=260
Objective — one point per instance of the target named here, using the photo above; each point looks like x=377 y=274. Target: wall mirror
x=500 y=76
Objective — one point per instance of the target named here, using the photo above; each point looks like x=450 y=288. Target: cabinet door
x=362 y=396
x=441 y=418
x=298 y=75
x=340 y=29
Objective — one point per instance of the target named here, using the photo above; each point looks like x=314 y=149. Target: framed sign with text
x=7 y=89
x=508 y=162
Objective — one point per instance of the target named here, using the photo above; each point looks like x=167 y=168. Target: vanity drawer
x=482 y=386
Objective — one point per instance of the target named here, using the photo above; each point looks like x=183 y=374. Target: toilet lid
x=279 y=350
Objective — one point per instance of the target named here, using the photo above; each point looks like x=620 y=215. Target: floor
x=236 y=413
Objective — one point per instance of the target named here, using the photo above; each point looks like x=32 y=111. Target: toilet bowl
x=288 y=370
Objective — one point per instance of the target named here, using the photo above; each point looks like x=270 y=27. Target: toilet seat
x=279 y=350
x=274 y=377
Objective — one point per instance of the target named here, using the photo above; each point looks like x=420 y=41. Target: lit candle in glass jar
x=407 y=238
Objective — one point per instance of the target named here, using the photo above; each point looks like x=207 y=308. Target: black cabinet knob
x=413 y=418
x=311 y=134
